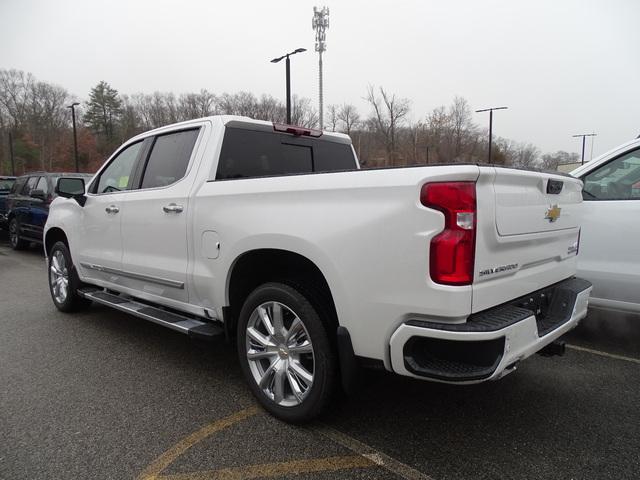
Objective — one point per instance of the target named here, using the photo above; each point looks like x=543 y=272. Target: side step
x=190 y=325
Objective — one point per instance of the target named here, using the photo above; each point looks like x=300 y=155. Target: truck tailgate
x=527 y=233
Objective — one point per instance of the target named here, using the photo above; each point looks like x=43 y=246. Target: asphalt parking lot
x=104 y=395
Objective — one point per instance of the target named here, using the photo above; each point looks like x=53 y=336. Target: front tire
x=16 y=242
x=64 y=281
x=285 y=353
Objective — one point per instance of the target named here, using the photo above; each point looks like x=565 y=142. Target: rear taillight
x=452 y=253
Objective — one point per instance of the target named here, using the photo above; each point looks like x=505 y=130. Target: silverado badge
x=553 y=213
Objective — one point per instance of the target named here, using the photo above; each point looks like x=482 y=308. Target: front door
x=609 y=254
x=23 y=209
x=99 y=249
x=39 y=207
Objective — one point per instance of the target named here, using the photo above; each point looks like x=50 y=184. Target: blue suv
x=28 y=206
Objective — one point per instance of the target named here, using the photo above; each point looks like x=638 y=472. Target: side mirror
x=71 y=187
x=39 y=194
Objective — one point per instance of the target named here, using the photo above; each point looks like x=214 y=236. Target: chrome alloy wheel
x=59 y=277
x=280 y=354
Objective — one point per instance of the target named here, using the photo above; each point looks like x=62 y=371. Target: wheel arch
x=255 y=267
x=52 y=236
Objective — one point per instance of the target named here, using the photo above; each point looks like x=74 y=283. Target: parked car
x=5 y=187
x=272 y=234
x=609 y=255
x=28 y=203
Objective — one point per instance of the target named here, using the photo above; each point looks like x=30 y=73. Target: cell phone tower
x=320 y=23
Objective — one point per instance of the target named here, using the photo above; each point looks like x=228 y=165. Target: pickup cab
x=272 y=235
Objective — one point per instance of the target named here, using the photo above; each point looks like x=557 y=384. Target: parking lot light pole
x=75 y=135
x=13 y=163
x=490 y=110
x=288 y=78
x=584 y=136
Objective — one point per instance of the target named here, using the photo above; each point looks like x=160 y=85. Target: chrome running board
x=191 y=326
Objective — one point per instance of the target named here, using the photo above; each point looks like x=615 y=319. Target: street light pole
x=288 y=77
x=75 y=134
x=288 y=63
x=584 y=136
x=13 y=163
x=490 y=110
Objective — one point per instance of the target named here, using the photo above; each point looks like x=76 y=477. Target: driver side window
x=118 y=175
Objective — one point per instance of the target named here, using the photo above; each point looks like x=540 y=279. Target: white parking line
x=384 y=461
x=604 y=354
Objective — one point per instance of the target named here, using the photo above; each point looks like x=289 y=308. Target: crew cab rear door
x=155 y=244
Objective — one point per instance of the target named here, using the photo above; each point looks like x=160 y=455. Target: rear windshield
x=248 y=153
x=6 y=184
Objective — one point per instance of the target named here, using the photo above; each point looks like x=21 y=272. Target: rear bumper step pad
x=474 y=350
x=552 y=306
x=192 y=326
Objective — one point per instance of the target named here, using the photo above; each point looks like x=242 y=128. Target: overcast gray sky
x=562 y=66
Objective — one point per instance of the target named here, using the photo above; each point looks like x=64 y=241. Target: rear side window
x=31 y=185
x=248 y=153
x=169 y=158
x=43 y=185
x=331 y=157
x=18 y=185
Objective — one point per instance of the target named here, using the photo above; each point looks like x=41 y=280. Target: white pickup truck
x=271 y=234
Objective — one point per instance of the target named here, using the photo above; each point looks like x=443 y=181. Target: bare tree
x=349 y=116
x=389 y=113
x=47 y=118
x=550 y=161
x=453 y=136
x=196 y=105
x=130 y=122
x=461 y=127
x=527 y=156
x=15 y=88
x=270 y=109
x=303 y=113
x=332 y=116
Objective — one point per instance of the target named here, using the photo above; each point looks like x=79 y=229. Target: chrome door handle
x=173 y=208
x=112 y=209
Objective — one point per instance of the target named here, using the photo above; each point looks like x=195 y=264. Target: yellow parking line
x=604 y=354
x=168 y=457
x=266 y=470
x=380 y=459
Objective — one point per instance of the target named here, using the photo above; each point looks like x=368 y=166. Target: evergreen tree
x=104 y=109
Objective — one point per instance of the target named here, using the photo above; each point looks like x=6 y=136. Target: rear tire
x=285 y=352
x=16 y=242
x=64 y=281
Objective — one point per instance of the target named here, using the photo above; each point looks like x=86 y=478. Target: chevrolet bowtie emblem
x=553 y=213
